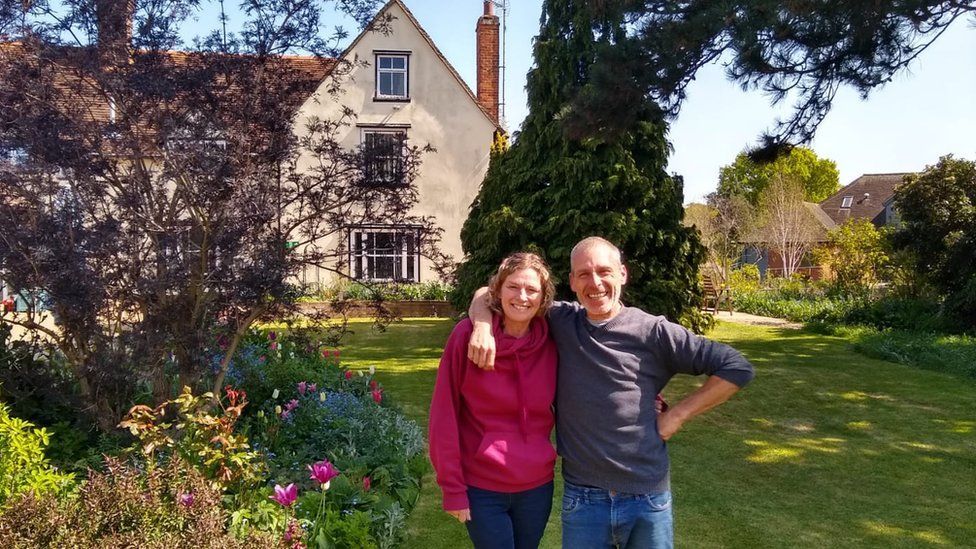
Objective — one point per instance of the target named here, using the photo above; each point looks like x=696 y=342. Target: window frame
x=847 y=201
x=398 y=177
x=404 y=259
x=377 y=94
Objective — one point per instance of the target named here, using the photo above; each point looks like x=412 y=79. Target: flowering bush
x=323 y=426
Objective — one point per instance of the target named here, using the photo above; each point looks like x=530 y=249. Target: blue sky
x=924 y=113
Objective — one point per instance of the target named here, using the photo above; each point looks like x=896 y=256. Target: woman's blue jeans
x=507 y=521
x=596 y=518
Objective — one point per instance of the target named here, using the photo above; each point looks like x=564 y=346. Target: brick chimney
x=114 y=20
x=487 y=32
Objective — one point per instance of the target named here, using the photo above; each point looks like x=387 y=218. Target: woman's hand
x=463 y=515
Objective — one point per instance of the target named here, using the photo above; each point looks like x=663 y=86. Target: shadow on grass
x=825 y=448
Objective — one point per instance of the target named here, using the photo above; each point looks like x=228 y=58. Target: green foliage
x=952 y=354
x=553 y=188
x=23 y=466
x=127 y=507
x=312 y=409
x=857 y=253
x=359 y=291
x=204 y=440
x=938 y=213
x=745 y=177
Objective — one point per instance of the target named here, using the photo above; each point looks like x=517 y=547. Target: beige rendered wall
x=440 y=112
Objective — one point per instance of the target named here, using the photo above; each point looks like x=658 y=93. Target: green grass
x=825 y=448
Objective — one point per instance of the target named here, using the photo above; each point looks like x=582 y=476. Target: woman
x=489 y=429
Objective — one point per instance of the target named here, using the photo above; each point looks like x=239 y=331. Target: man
x=613 y=361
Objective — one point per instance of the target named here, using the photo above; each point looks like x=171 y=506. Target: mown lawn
x=826 y=448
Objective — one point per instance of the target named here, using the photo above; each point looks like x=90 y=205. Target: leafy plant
x=172 y=506
x=23 y=466
x=204 y=440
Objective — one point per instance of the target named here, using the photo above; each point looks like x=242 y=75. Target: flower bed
x=296 y=452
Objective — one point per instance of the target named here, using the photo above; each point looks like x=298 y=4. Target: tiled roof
x=868 y=196
x=77 y=62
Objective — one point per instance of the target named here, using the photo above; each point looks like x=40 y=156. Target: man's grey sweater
x=609 y=375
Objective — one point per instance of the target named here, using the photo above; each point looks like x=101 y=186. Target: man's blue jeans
x=507 y=521
x=595 y=518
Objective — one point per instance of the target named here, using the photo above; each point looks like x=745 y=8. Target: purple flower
x=302 y=387
x=272 y=336
x=285 y=496
x=185 y=499
x=312 y=387
x=323 y=472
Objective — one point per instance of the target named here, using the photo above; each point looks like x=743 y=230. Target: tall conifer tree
x=554 y=187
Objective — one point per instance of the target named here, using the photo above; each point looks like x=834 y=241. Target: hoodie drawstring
x=523 y=410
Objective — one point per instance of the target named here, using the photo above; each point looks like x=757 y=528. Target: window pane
x=384 y=267
x=386 y=62
x=399 y=62
x=386 y=83
x=399 y=84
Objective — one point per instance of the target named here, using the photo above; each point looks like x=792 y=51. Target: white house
x=407 y=89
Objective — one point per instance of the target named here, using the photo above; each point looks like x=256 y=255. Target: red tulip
x=377 y=395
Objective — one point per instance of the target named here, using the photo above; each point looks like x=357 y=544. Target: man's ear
x=623 y=274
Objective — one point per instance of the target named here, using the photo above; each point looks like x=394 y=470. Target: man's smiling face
x=597 y=276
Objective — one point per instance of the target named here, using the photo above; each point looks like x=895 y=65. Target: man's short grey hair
x=592 y=242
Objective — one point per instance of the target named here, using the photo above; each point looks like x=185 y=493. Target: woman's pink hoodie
x=490 y=428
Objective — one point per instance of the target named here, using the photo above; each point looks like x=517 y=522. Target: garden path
x=756 y=320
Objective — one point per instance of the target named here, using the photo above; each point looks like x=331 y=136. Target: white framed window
x=384 y=253
x=392 y=76
x=384 y=151
x=847 y=202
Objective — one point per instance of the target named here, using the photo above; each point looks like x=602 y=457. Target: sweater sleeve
x=689 y=353
x=445 y=444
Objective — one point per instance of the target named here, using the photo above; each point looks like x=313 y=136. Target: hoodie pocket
x=520 y=460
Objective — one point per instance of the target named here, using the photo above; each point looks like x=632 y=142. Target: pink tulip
x=302 y=387
x=323 y=472
x=285 y=496
x=274 y=346
x=377 y=395
x=312 y=387
x=366 y=484
x=185 y=499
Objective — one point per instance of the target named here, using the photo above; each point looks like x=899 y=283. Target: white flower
x=372 y=370
x=322 y=396
x=274 y=394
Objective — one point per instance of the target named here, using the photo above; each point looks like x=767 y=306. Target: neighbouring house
x=402 y=88
x=870 y=196
x=409 y=91
x=759 y=250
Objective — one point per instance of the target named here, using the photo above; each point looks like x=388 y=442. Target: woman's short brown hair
x=517 y=262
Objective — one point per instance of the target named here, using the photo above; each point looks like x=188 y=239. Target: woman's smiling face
x=521 y=296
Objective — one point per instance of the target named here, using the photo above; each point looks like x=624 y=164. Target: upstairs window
x=384 y=157
x=388 y=253
x=392 y=76
x=846 y=203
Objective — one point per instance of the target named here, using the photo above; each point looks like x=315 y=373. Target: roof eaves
x=433 y=46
